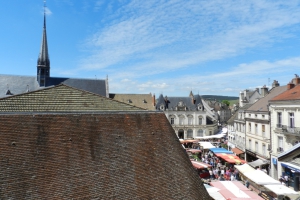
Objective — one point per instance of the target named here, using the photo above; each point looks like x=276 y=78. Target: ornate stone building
x=190 y=117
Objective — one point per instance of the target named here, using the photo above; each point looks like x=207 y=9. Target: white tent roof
x=258 y=162
x=206 y=145
x=244 y=168
x=214 y=192
x=260 y=178
x=283 y=190
x=211 y=136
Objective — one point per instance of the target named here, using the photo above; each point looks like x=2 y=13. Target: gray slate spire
x=43 y=63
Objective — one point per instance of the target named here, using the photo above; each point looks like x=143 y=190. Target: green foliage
x=226 y=102
x=218 y=97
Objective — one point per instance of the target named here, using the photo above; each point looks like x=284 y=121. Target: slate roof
x=134 y=155
x=262 y=103
x=294 y=148
x=232 y=118
x=61 y=98
x=291 y=94
x=20 y=84
x=173 y=102
x=140 y=100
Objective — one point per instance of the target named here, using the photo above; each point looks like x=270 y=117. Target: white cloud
x=167 y=45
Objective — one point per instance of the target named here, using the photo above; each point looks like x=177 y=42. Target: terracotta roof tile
x=291 y=94
x=262 y=103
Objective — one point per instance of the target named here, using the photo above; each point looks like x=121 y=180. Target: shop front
x=293 y=174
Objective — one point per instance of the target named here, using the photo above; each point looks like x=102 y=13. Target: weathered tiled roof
x=94 y=156
x=262 y=103
x=291 y=94
x=140 y=100
x=61 y=98
x=20 y=84
x=232 y=118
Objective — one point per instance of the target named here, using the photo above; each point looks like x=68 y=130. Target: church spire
x=43 y=63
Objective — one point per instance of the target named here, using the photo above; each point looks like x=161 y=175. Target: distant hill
x=219 y=98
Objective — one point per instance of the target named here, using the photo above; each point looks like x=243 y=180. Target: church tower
x=43 y=62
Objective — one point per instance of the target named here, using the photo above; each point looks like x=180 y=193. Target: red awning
x=200 y=165
x=188 y=141
x=230 y=158
x=193 y=150
x=237 y=151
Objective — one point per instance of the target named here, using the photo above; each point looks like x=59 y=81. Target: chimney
x=290 y=85
x=153 y=100
x=296 y=80
x=257 y=89
x=275 y=84
x=264 y=91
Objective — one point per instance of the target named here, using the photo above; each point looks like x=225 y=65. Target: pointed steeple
x=43 y=63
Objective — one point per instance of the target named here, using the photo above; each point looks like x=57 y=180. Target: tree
x=226 y=102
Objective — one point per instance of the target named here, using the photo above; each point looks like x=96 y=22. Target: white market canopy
x=258 y=162
x=244 y=168
x=261 y=178
x=214 y=192
x=206 y=145
x=282 y=190
x=211 y=136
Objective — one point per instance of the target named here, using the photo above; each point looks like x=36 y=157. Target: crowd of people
x=218 y=171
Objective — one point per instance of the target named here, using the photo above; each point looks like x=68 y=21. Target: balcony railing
x=279 y=149
x=279 y=125
x=290 y=130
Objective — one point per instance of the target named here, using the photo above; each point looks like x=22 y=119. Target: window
x=263 y=149
x=279 y=120
x=256 y=146
x=280 y=144
x=172 y=120
x=190 y=120
x=189 y=133
x=255 y=116
x=280 y=141
x=250 y=144
x=200 y=133
x=291 y=120
x=263 y=116
x=210 y=132
x=256 y=129
x=249 y=115
x=249 y=127
x=181 y=120
x=263 y=130
x=200 y=120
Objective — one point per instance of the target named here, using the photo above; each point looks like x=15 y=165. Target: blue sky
x=171 y=47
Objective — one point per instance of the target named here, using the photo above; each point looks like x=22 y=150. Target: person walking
x=210 y=173
x=286 y=180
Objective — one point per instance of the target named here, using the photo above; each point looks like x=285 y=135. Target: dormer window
x=8 y=92
x=180 y=103
x=162 y=107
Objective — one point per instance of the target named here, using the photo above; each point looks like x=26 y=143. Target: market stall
x=206 y=145
x=281 y=190
x=234 y=190
x=230 y=158
x=220 y=150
